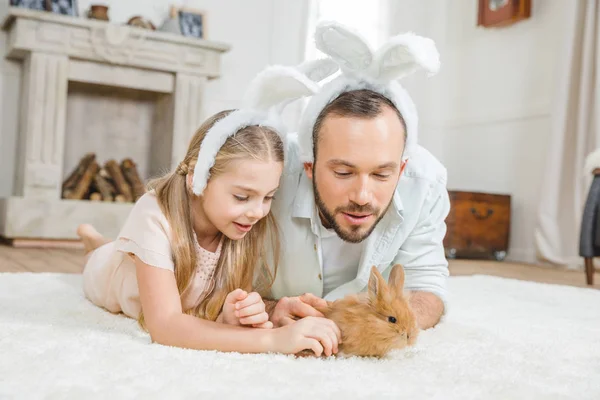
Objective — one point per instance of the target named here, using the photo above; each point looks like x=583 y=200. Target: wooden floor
x=525 y=272
x=71 y=261
x=40 y=260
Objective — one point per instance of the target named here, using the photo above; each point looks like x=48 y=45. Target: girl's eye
x=269 y=198
x=240 y=198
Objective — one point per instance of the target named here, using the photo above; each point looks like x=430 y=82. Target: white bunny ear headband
x=364 y=69
x=268 y=93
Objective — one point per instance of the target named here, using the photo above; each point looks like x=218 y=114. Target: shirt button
x=320 y=277
x=315 y=247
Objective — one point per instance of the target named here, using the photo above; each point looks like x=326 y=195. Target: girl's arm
x=168 y=325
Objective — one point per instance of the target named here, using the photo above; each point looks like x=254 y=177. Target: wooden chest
x=478 y=225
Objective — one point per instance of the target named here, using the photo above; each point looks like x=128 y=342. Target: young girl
x=184 y=265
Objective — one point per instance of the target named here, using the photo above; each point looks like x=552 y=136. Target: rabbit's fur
x=365 y=319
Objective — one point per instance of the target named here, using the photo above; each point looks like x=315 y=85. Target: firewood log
x=121 y=184
x=84 y=183
x=91 y=189
x=104 y=173
x=95 y=196
x=69 y=184
x=106 y=189
x=133 y=178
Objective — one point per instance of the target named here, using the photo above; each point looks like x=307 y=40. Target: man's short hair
x=361 y=103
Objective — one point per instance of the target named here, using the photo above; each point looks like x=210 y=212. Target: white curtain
x=575 y=132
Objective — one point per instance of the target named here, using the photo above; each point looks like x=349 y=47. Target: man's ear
x=308 y=169
x=403 y=166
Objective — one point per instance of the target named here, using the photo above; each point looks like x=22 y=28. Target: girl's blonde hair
x=241 y=261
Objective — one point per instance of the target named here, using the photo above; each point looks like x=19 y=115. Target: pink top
x=203 y=280
x=109 y=275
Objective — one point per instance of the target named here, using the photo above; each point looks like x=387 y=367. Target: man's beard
x=354 y=235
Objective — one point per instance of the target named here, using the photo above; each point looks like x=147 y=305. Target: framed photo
x=32 y=4
x=496 y=13
x=191 y=22
x=64 y=7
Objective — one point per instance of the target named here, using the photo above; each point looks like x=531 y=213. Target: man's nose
x=361 y=193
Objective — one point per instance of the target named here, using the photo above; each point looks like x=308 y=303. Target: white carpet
x=502 y=339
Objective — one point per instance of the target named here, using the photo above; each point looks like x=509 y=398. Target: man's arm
x=428 y=308
x=424 y=261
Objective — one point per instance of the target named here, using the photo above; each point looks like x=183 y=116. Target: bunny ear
x=396 y=279
x=317 y=70
x=404 y=54
x=346 y=47
x=376 y=285
x=275 y=85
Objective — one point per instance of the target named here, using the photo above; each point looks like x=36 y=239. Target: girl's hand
x=243 y=308
x=320 y=335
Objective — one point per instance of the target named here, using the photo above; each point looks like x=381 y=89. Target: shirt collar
x=304 y=201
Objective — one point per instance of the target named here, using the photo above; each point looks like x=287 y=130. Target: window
x=367 y=17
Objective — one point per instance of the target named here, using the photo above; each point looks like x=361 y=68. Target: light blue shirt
x=411 y=232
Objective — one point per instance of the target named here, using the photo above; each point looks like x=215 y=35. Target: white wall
x=487 y=114
x=261 y=32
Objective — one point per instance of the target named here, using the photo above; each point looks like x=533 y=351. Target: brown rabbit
x=376 y=321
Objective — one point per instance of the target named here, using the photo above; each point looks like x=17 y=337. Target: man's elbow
x=427 y=307
x=438 y=308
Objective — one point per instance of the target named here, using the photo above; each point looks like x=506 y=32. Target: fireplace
x=124 y=94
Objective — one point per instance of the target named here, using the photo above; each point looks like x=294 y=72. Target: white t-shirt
x=339 y=259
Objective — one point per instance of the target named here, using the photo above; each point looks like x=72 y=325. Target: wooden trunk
x=478 y=225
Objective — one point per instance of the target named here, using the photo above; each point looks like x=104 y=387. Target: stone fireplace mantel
x=57 y=51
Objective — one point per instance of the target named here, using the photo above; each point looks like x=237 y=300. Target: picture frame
x=63 y=7
x=31 y=4
x=499 y=13
x=191 y=22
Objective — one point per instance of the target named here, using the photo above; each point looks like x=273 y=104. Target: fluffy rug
x=501 y=339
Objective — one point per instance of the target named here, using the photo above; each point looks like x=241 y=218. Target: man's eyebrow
x=336 y=162
x=390 y=164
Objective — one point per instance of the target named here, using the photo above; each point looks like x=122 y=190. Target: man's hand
x=289 y=309
x=242 y=308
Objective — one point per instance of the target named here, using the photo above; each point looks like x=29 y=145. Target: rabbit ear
x=306 y=76
x=346 y=47
x=275 y=85
x=376 y=285
x=317 y=70
x=404 y=54
x=396 y=279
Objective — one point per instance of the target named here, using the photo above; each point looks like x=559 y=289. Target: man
x=359 y=199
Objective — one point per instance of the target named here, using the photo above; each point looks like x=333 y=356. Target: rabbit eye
x=392 y=319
